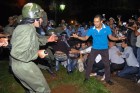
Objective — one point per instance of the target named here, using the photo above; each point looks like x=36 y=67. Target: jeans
x=134 y=50
x=128 y=71
x=70 y=64
x=57 y=63
x=138 y=58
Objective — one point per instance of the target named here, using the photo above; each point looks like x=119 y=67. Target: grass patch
x=9 y=85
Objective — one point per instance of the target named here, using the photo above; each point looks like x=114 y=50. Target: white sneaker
x=93 y=74
x=103 y=78
x=81 y=67
x=138 y=81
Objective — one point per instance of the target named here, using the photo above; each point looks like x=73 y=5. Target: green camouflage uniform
x=9 y=29
x=25 y=45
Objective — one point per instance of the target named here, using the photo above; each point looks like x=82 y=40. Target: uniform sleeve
x=42 y=39
x=22 y=47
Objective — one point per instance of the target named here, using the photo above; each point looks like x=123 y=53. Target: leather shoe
x=109 y=82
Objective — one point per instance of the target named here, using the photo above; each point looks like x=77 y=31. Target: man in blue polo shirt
x=100 y=34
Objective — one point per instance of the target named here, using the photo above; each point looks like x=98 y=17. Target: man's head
x=83 y=45
x=51 y=32
x=124 y=43
x=11 y=20
x=111 y=44
x=98 y=21
x=111 y=20
x=78 y=45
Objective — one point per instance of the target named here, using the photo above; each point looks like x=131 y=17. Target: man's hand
x=122 y=38
x=42 y=54
x=119 y=53
x=74 y=36
x=74 y=51
x=80 y=38
x=3 y=42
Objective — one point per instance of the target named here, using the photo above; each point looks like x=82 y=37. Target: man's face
x=78 y=45
x=38 y=22
x=111 y=44
x=11 y=21
x=83 y=45
x=97 y=22
x=111 y=21
x=123 y=44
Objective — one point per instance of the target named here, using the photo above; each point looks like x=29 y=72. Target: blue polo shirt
x=100 y=38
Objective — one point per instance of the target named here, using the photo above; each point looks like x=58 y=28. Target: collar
x=103 y=26
x=113 y=47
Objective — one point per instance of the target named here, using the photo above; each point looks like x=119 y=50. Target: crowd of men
x=102 y=47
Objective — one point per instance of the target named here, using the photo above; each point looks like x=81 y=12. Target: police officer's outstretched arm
x=45 y=39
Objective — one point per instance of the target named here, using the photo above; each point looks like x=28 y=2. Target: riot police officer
x=25 y=43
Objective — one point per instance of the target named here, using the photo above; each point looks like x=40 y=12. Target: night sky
x=83 y=10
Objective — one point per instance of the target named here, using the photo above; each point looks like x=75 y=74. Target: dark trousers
x=116 y=67
x=105 y=59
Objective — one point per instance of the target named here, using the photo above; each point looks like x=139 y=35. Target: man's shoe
x=134 y=79
x=138 y=81
x=109 y=82
x=93 y=74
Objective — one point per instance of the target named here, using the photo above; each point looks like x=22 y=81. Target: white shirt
x=130 y=57
x=114 y=57
x=138 y=39
x=87 y=50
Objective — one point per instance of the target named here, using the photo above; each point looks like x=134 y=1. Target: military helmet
x=51 y=32
x=32 y=10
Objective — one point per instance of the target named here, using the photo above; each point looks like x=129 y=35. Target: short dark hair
x=98 y=16
x=126 y=42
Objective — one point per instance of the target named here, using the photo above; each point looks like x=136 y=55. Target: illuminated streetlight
x=62 y=7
